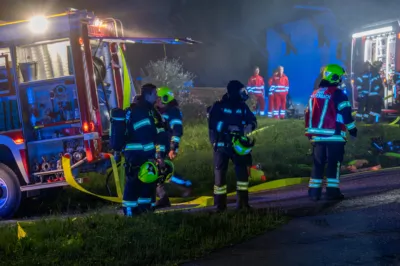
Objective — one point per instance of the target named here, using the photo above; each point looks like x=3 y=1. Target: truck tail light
x=85 y=127
x=92 y=143
x=88 y=127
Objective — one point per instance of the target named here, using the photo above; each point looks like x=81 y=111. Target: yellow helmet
x=333 y=73
x=165 y=94
x=148 y=172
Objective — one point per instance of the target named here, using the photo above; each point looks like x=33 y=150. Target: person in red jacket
x=280 y=84
x=327 y=117
x=271 y=94
x=255 y=87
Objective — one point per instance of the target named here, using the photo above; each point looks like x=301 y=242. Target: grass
x=163 y=239
x=281 y=149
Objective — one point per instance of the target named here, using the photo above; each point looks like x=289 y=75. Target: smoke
x=233 y=32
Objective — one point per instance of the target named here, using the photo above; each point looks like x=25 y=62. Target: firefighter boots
x=315 y=193
x=242 y=201
x=334 y=194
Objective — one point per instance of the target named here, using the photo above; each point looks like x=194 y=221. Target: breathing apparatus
x=237 y=91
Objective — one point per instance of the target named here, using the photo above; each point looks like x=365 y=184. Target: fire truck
x=379 y=42
x=60 y=76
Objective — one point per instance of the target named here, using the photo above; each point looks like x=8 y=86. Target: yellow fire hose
x=66 y=163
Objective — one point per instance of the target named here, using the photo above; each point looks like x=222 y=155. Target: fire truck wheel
x=10 y=192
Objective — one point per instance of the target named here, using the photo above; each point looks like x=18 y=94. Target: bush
x=169 y=73
x=193 y=109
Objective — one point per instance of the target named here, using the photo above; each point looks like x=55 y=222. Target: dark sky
x=233 y=31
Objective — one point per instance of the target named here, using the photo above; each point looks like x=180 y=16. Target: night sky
x=232 y=31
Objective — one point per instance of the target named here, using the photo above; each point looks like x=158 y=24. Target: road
x=364 y=229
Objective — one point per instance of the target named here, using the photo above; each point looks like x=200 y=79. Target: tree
x=169 y=73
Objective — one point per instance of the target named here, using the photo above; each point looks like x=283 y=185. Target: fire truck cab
x=60 y=76
x=378 y=42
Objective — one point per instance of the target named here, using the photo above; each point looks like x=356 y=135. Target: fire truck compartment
x=377 y=42
x=45 y=156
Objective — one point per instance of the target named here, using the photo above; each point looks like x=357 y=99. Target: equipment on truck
x=373 y=43
x=60 y=77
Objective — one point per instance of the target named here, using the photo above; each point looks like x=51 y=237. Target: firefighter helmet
x=166 y=95
x=333 y=73
x=242 y=145
x=148 y=172
x=166 y=172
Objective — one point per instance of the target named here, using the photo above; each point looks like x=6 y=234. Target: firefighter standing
x=369 y=87
x=271 y=99
x=327 y=117
x=255 y=87
x=142 y=138
x=375 y=95
x=230 y=119
x=281 y=89
x=169 y=109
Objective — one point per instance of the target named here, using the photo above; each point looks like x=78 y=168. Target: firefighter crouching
x=134 y=131
x=230 y=120
x=169 y=109
x=327 y=117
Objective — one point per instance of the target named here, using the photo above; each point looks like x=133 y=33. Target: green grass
x=281 y=149
x=162 y=239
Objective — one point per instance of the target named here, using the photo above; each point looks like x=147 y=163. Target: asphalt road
x=364 y=229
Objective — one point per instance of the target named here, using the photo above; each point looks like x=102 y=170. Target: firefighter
x=281 y=90
x=327 y=117
x=375 y=95
x=230 y=120
x=369 y=87
x=271 y=99
x=169 y=109
x=396 y=91
x=142 y=138
x=255 y=87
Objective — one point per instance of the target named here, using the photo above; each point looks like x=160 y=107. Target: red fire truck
x=379 y=42
x=59 y=77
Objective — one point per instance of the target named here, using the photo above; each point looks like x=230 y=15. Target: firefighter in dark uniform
x=375 y=95
x=327 y=117
x=169 y=109
x=396 y=92
x=362 y=87
x=369 y=87
x=229 y=121
x=143 y=152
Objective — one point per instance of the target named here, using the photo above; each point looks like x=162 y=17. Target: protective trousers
x=374 y=108
x=331 y=153
x=362 y=108
x=280 y=105
x=271 y=104
x=260 y=103
x=138 y=197
x=241 y=163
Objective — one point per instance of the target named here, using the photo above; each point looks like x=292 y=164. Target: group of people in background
x=277 y=93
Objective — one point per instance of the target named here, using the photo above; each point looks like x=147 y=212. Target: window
x=44 y=61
